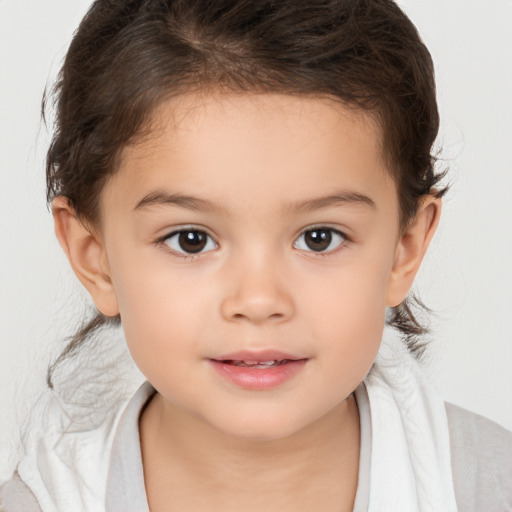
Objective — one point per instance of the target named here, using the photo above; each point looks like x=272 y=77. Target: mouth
x=258 y=371
x=252 y=357
x=258 y=364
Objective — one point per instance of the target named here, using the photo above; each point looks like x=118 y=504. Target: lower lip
x=258 y=378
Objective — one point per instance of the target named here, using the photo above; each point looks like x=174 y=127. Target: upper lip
x=258 y=356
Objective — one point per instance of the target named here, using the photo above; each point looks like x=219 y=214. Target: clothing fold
x=411 y=466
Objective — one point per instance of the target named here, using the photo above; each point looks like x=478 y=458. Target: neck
x=314 y=469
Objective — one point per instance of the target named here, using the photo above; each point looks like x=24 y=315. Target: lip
x=258 y=378
x=258 y=355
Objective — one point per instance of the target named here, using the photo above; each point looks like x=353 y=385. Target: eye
x=190 y=241
x=320 y=239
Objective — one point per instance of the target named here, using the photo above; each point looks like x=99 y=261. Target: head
x=160 y=103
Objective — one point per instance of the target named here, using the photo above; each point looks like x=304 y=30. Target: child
x=248 y=187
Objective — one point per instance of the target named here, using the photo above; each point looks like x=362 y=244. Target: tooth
x=256 y=364
x=259 y=363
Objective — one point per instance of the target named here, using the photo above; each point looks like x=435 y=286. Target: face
x=250 y=242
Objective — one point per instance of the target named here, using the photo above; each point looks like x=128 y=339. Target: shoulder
x=481 y=461
x=67 y=457
x=15 y=496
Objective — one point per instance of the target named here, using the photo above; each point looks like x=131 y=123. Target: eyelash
x=329 y=229
x=163 y=241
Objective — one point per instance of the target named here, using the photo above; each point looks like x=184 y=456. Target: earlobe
x=411 y=249
x=86 y=254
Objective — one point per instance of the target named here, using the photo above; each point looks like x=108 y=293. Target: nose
x=257 y=294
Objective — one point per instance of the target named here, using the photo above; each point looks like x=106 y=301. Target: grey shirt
x=481 y=454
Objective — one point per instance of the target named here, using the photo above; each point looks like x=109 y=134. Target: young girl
x=248 y=188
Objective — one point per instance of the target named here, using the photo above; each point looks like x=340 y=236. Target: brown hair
x=128 y=56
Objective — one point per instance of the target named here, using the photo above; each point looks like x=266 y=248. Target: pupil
x=318 y=239
x=192 y=241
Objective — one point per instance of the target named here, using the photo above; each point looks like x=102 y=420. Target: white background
x=467 y=277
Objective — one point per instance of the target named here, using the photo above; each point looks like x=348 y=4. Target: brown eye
x=319 y=240
x=190 y=241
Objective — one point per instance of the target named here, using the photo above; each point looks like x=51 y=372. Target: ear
x=411 y=248
x=86 y=254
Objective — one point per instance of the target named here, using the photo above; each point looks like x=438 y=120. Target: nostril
x=258 y=316
x=257 y=307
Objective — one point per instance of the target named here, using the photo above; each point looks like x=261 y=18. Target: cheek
x=351 y=312
x=159 y=309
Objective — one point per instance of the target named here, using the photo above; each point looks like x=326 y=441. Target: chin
x=263 y=428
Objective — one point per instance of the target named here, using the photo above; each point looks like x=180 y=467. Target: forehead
x=274 y=116
x=253 y=148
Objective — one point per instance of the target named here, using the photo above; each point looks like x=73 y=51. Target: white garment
x=411 y=461
x=67 y=467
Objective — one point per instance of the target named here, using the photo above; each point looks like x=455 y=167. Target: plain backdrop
x=466 y=278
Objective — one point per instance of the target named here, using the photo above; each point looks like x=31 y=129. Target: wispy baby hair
x=129 y=56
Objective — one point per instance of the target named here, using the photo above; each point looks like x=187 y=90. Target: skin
x=265 y=164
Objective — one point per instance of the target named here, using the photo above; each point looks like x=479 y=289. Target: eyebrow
x=159 y=197
x=339 y=198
